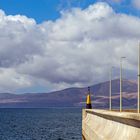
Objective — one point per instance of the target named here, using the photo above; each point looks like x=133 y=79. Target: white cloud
x=136 y=4
x=76 y=49
x=17 y=43
x=10 y=80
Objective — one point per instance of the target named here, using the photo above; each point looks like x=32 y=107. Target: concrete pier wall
x=109 y=125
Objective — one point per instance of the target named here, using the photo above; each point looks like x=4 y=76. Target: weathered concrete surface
x=109 y=125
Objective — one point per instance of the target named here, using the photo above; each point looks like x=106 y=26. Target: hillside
x=74 y=97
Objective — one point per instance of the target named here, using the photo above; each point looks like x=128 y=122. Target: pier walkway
x=110 y=125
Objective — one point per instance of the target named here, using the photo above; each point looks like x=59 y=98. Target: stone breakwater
x=110 y=125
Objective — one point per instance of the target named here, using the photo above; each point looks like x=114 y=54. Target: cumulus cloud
x=136 y=4
x=17 y=43
x=75 y=50
x=10 y=80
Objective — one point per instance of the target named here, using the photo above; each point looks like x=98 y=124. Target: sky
x=48 y=45
x=42 y=10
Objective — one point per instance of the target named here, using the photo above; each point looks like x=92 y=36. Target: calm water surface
x=40 y=124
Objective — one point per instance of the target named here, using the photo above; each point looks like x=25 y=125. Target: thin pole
x=138 y=79
x=121 y=83
x=110 y=95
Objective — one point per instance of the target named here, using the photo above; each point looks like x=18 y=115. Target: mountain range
x=75 y=97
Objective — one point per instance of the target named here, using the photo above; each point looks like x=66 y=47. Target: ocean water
x=40 y=124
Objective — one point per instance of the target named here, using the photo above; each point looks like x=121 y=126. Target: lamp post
x=121 y=59
x=110 y=90
x=138 y=107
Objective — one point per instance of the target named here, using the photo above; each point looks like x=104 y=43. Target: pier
x=110 y=125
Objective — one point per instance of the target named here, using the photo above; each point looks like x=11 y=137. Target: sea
x=40 y=124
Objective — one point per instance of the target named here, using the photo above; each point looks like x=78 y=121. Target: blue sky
x=42 y=10
x=67 y=52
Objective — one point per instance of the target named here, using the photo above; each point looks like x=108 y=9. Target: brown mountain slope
x=75 y=96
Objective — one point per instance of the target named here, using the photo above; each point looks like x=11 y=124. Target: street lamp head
x=123 y=57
